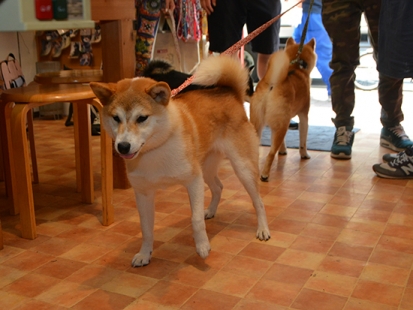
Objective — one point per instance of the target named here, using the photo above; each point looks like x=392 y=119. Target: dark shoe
x=395 y=139
x=342 y=144
x=399 y=168
x=293 y=125
x=390 y=156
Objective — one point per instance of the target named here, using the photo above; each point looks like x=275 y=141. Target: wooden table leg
x=23 y=191
x=83 y=150
x=107 y=177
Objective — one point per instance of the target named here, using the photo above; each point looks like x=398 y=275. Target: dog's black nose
x=124 y=147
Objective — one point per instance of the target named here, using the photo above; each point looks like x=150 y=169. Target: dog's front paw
x=305 y=156
x=263 y=234
x=208 y=214
x=203 y=249
x=140 y=260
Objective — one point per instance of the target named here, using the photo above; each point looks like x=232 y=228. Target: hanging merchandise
x=189 y=13
x=86 y=55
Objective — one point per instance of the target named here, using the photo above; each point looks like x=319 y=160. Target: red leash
x=238 y=45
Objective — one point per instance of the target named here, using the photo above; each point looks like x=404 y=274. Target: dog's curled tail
x=222 y=70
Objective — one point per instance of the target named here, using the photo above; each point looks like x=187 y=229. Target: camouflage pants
x=341 y=18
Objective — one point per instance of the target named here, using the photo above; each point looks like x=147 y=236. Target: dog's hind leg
x=277 y=139
x=303 y=129
x=246 y=168
x=146 y=209
x=195 y=190
x=210 y=171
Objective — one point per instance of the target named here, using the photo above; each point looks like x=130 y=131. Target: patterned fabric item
x=147 y=17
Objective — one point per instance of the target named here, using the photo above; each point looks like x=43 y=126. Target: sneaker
x=343 y=141
x=399 y=168
x=395 y=139
x=391 y=156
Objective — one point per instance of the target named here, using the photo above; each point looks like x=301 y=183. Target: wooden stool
x=17 y=103
x=5 y=174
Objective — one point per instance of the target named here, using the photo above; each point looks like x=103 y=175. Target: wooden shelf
x=19 y=15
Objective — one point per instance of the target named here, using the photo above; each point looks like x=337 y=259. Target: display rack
x=19 y=15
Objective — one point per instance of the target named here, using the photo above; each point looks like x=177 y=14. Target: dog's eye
x=141 y=119
x=116 y=119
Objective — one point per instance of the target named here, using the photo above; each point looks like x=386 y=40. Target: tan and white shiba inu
x=181 y=140
x=283 y=93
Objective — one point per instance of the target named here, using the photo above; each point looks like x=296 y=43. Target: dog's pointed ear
x=290 y=41
x=160 y=92
x=311 y=43
x=104 y=91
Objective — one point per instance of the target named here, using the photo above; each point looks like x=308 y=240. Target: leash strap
x=303 y=35
x=239 y=44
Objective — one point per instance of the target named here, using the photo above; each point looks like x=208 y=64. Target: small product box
x=60 y=9
x=44 y=9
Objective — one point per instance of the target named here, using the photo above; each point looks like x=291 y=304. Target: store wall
x=23 y=46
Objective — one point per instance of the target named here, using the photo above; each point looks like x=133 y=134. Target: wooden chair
x=16 y=103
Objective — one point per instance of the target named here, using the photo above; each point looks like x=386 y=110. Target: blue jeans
x=323 y=46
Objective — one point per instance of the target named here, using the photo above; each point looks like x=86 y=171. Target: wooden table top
x=69 y=77
x=46 y=93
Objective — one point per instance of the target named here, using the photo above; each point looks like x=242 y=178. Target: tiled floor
x=341 y=238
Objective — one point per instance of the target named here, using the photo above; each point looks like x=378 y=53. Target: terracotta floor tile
x=385 y=274
x=38 y=305
x=273 y=292
x=209 y=300
x=359 y=304
x=331 y=283
x=300 y=259
x=346 y=250
x=314 y=300
x=359 y=238
x=378 y=292
x=230 y=283
x=191 y=275
x=310 y=244
x=31 y=285
x=258 y=305
x=262 y=251
x=343 y=266
x=407 y=299
x=105 y=300
x=288 y=274
x=157 y=269
x=247 y=266
x=93 y=275
x=28 y=261
x=9 y=300
x=129 y=284
x=60 y=268
x=169 y=294
x=9 y=275
x=66 y=294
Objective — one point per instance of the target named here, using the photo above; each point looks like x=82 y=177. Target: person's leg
x=323 y=48
x=345 y=59
x=345 y=56
x=221 y=37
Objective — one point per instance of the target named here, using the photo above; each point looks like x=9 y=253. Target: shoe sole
x=392 y=177
x=386 y=144
x=340 y=156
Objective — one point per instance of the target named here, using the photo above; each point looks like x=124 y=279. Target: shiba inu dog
x=283 y=93
x=180 y=140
